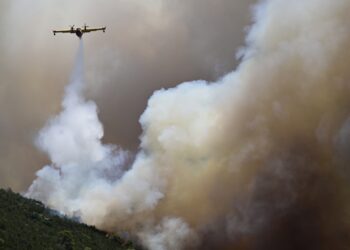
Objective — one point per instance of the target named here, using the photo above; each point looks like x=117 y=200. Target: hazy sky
x=148 y=45
x=257 y=159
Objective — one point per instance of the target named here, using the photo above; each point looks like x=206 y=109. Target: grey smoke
x=254 y=160
x=147 y=46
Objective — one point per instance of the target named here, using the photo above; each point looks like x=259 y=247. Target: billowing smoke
x=148 y=45
x=256 y=160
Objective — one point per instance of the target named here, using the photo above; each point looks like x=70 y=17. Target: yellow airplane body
x=79 y=31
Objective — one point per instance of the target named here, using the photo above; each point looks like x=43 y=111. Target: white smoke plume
x=80 y=161
x=256 y=160
x=85 y=173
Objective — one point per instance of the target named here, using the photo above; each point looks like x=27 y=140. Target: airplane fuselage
x=79 y=33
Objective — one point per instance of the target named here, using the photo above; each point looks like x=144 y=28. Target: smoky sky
x=257 y=159
x=148 y=45
x=251 y=157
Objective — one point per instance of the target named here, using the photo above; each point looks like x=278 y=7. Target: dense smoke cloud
x=148 y=45
x=255 y=160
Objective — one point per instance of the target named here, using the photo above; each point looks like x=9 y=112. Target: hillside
x=27 y=224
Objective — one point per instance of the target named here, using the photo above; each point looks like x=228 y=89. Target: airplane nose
x=79 y=33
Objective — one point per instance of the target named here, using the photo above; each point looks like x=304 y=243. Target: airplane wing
x=94 y=29
x=63 y=31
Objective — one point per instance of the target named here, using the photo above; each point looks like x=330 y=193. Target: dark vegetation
x=28 y=224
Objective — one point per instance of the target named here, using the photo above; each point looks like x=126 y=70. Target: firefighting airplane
x=79 y=31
